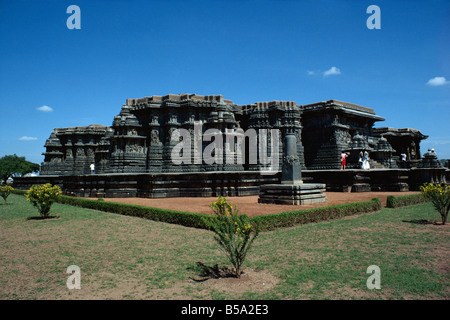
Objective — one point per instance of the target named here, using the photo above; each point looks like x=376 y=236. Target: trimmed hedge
x=401 y=201
x=291 y=218
x=188 y=219
x=197 y=220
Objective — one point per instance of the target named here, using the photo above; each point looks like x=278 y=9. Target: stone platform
x=155 y=185
x=292 y=194
x=243 y=183
x=358 y=180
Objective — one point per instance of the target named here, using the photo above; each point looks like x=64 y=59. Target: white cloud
x=310 y=73
x=45 y=109
x=437 y=81
x=26 y=138
x=332 y=71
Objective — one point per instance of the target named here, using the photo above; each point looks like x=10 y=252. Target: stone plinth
x=292 y=190
x=292 y=194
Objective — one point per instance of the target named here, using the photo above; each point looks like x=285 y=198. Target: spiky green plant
x=233 y=232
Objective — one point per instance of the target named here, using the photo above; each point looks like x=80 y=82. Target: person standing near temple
x=92 y=166
x=366 y=164
x=343 y=160
x=403 y=155
x=360 y=160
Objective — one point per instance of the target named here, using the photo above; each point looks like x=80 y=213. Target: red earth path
x=249 y=205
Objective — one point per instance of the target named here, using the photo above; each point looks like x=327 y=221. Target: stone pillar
x=291 y=170
x=292 y=190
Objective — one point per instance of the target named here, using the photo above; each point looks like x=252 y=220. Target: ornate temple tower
x=405 y=140
x=71 y=150
x=284 y=116
x=127 y=145
x=329 y=128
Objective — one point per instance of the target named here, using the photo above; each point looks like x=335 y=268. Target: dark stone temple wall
x=155 y=185
x=133 y=156
x=140 y=138
x=404 y=140
x=332 y=127
x=240 y=183
x=71 y=150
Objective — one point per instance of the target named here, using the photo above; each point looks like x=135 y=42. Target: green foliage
x=234 y=233
x=188 y=219
x=5 y=191
x=291 y=218
x=334 y=255
x=401 y=201
x=203 y=221
x=439 y=197
x=15 y=166
x=43 y=196
x=390 y=202
x=221 y=207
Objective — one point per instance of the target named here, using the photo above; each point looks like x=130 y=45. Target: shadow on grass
x=423 y=221
x=206 y=272
x=43 y=218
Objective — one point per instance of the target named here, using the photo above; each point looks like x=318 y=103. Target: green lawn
x=124 y=257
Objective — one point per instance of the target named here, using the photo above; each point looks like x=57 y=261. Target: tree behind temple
x=15 y=166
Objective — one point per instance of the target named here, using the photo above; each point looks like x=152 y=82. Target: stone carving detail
x=171 y=133
x=134 y=148
x=132 y=132
x=291 y=159
x=342 y=136
x=80 y=152
x=413 y=151
x=89 y=152
x=173 y=118
x=155 y=137
x=298 y=136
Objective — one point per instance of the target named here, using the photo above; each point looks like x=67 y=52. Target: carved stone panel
x=155 y=137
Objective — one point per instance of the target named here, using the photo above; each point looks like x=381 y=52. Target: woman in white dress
x=365 y=163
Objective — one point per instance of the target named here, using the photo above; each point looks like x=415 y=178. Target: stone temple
x=134 y=156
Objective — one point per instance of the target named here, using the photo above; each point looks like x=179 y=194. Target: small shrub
x=291 y=218
x=188 y=219
x=43 y=196
x=390 y=202
x=439 y=197
x=5 y=191
x=221 y=207
x=401 y=201
x=233 y=232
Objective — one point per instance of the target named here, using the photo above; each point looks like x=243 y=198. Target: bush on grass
x=5 y=191
x=439 y=196
x=234 y=232
x=42 y=197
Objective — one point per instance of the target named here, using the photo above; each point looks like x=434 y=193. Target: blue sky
x=246 y=50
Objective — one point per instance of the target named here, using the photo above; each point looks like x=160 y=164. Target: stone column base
x=292 y=194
